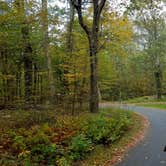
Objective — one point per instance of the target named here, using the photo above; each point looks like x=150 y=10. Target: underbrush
x=41 y=138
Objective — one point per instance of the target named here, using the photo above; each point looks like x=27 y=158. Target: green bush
x=46 y=153
x=97 y=129
x=18 y=143
x=63 y=162
x=118 y=128
x=104 y=129
x=80 y=146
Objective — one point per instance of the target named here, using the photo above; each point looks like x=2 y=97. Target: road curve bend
x=150 y=151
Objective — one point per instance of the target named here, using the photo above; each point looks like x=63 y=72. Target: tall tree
x=27 y=50
x=93 y=36
x=46 y=49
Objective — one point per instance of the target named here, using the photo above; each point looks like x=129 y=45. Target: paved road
x=150 y=152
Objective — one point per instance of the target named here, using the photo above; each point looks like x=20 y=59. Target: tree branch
x=100 y=6
x=78 y=6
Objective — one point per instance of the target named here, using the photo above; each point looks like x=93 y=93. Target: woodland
x=59 y=59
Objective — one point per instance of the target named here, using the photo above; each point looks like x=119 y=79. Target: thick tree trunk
x=94 y=96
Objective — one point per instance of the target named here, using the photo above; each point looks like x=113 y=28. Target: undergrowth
x=42 y=138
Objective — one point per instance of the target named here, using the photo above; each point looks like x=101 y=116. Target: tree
x=93 y=36
x=44 y=14
x=117 y=33
x=150 y=22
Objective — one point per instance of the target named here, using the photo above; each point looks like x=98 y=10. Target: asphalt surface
x=150 y=152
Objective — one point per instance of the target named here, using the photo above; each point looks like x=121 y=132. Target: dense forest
x=67 y=56
x=44 y=52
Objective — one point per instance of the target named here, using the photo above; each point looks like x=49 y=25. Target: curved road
x=150 y=152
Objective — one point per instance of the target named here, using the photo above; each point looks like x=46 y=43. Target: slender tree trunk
x=28 y=62
x=70 y=29
x=69 y=43
x=158 y=77
x=46 y=50
x=35 y=83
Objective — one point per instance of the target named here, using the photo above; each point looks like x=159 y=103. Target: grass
x=154 y=105
x=145 y=99
x=148 y=101
x=36 y=120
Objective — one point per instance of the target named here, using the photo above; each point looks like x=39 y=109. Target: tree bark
x=51 y=86
x=92 y=35
x=158 y=77
x=28 y=63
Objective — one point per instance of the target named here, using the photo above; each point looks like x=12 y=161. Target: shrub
x=97 y=129
x=18 y=143
x=80 y=146
x=104 y=129
x=63 y=162
x=45 y=153
x=118 y=128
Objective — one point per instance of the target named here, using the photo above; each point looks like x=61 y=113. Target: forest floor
x=23 y=132
x=150 y=151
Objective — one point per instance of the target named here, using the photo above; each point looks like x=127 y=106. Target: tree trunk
x=28 y=63
x=70 y=29
x=92 y=35
x=158 y=76
x=94 y=97
x=51 y=87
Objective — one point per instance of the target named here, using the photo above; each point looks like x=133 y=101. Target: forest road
x=150 y=151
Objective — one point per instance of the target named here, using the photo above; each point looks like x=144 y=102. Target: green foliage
x=106 y=130
x=80 y=146
x=42 y=152
x=63 y=162
x=68 y=139
x=18 y=143
x=97 y=129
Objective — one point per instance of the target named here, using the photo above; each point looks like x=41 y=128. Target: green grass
x=154 y=105
x=145 y=99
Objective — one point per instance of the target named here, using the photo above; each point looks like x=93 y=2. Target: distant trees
x=151 y=23
x=49 y=56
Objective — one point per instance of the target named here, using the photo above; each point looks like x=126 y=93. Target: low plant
x=79 y=147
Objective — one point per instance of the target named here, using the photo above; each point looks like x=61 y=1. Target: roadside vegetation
x=44 y=138
x=145 y=99
x=154 y=105
x=148 y=101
